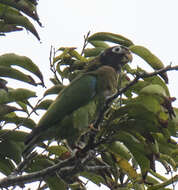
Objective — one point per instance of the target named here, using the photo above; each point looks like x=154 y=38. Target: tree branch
x=65 y=169
x=122 y=90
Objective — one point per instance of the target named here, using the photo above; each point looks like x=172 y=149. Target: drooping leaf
x=44 y=104
x=23 y=105
x=14 y=95
x=3 y=84
x=5 y=109
x=13 y=16
x=15 y=74
x=110 y=159
x=54 y=90
x=119 y=149
x=170 y=160
x=99 y=44
x=110 y=37
x=154 y=89
x=4 y=27
x=25 y=6
x=150 y=58
x=157 y=80
x=126 y=167
x=59 y=150
x=21 y=121
x=97 y=179
x=13 y=135
x=136 y=148
x=39 y=162
x=12 y=150
x=56 y=183
x=6 y=166
x=10 y=59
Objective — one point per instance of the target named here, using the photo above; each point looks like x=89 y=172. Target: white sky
x=152 y=23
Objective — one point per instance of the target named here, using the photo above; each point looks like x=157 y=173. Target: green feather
x=82 y=94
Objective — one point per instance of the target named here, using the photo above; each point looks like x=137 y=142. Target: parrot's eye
x=117 y=49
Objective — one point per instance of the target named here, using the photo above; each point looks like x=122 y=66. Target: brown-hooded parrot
x=92 y=87
x=115 y=56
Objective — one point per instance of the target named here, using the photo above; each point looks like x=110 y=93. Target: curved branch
x=65 y=169
x=122 y=90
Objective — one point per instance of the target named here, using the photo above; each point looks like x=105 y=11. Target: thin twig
x=122 y=90
x=85 y=42
x=52 y=66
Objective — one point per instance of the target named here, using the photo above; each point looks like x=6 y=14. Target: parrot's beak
x=129 y=57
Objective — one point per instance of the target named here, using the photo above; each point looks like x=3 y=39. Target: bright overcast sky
x=150 y=23
x=153 y=24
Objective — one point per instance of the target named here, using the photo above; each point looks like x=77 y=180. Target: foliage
x=136 y=129
x=12 y=16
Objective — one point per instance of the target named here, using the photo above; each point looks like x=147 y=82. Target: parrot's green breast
x=76 y=106
x=81 y=91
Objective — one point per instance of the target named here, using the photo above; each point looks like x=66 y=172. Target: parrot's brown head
x=116 y=57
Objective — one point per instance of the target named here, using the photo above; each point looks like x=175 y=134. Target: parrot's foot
x=91 y=126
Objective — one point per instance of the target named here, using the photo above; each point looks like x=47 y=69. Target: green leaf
x=21 y=121
x=157 y=80
x=23 y=105
x=25 y=6
x=126 y=167
x=109 y=158
x=12 y=150
x=99 y=44
x=15 y=74
x=144 y=53
x=6 y=166
x=57 y=150
x=13 y=16
x=136 y=148
x=150 y=58
x=119 y=149
x=54 y=90
x=10 y=59
x=93 y=52
x=5 y=109
x=44 y=105
x=154 y=89
x=39 y=162
x=138 y=186
x=97 y=179
x=142 y=115
x=14 y=95
x=17 y=136
x=169 y=159
x=110 y=37
x=4 y=27
x=56 y=183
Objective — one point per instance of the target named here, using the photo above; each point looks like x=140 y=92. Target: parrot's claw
x=91 y=127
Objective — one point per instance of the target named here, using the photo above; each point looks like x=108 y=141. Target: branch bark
x=65 y=169
x=122 y=90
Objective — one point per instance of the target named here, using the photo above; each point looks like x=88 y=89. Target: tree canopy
x=136 y=128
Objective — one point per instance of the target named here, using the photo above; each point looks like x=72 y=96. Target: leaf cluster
x=14 y=16
x=136 y=129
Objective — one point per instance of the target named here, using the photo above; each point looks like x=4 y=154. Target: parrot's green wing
x=94 y=86
x=77 y=94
